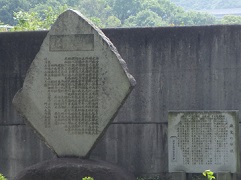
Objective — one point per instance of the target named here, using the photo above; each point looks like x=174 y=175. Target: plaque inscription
x=72 y=94
x=203 y=140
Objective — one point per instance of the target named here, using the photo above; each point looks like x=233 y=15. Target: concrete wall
x=176 y=68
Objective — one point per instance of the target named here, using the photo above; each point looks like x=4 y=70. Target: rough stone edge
x=108 y=43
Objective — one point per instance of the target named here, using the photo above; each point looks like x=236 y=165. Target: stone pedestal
x=224 y=176
x=74 y=169
x=178 y=175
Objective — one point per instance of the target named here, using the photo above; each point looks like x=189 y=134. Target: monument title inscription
x=74 y=87
x=203 y=140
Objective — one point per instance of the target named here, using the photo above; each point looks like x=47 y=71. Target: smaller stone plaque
x=201 y=140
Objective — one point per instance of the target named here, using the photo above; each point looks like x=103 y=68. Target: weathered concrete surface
x=176 y=68
x=15 y=59
x=74 y=169
x=20 y=148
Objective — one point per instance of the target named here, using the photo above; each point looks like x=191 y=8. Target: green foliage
x=100 y=13
x=33 y=21
x=163 y=13
x=230 y=19
x=208 y=4
x=87 y=178
x=145 y=18
x=192 y=18
x=209 y=174
x=8 y=7
x=27 y=21
x=37 y=15
x=97 y=21
x=123 y=9
x=95 y=8
x=113 y=21
x=2 y=177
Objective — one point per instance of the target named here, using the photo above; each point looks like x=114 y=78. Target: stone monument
x=201 y=140
x=74 y=87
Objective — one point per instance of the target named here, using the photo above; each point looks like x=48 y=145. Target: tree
x=145 y=18
x=33 y=21
x=192 y=18
x=169 y=9
x=27 y=21
x=40 y=14
x=231 y=19
x=207 y=4
x=199 y=18
x=113 y=21
x=7 y=8
x=123 y=9
x=95 y=8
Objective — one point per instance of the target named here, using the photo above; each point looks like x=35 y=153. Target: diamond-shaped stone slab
x=74 y=87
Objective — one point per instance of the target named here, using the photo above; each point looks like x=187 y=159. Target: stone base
x=224 y=176
x=74 y=169
x=178 y=175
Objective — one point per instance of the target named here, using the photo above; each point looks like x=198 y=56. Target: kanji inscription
x=203 y=139
x=72 y=94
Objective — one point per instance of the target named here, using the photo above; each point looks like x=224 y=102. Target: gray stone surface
x=20 y=148
x=224 y=176
x=201 y=140
x=74 y=87
x=178 y=176
x=74 y=169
